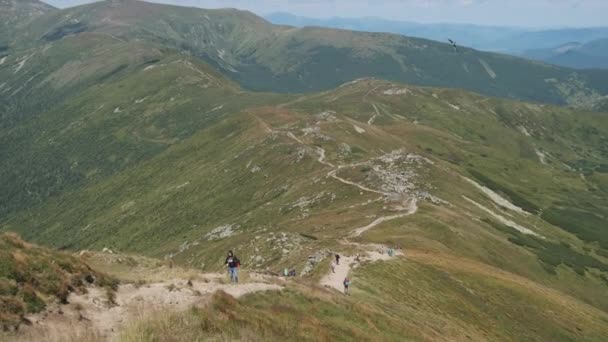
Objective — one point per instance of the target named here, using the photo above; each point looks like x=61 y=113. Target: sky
x=527 y=13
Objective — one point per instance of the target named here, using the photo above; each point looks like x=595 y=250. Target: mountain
x=551 y=38
x=284 y=183
x=512 y=40
x=475 y=36
x=590 y=55
x=123 y=130
x=17 y=14
x=264 y=57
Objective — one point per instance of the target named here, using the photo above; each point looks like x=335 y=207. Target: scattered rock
x=222 y=232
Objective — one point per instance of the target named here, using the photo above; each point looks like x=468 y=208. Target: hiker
x=233 y=266
x=333 y=267
x=292 y=273
x=346 y=286
x=337 y=259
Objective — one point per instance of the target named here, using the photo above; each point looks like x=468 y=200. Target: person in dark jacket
x=233 y=264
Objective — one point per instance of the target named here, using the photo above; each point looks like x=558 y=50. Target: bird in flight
x=453 y=44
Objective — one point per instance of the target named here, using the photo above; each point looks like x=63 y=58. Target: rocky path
x=93 y=312
x=370 y=252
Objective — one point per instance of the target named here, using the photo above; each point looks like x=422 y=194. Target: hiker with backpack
x=346 y=286
x=233 y=267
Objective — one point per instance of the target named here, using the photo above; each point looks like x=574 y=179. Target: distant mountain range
x=517 y=41
x=182 y=133
x=261 y=56
x=593 y=54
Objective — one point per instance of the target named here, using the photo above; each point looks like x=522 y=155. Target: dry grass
x=139 y=270
x=76 y=333
x=31 y=277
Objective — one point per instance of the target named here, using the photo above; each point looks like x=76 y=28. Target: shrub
x=585 y=225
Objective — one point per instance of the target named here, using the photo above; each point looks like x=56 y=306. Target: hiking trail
x=93 y=312
x=370 y=252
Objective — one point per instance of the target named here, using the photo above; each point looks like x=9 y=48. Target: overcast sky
x=531 y=13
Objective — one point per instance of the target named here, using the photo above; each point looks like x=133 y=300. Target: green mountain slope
x=514 y=40
x=115 y=134
x=15 y=15
x=71 y=111
x=266 y=180
x=266 y=57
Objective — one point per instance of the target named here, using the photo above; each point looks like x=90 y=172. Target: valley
x=141 y=142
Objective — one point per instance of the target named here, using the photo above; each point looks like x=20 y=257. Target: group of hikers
x=346 y=281
x=233 y=263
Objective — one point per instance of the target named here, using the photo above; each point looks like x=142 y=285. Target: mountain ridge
x=263 y=57
x=123 y=130
x=590 y=55
x=513 y=40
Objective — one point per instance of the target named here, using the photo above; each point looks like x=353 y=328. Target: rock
x=89 y=278
x=313 y=260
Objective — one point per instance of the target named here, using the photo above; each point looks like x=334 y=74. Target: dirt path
x=370 y=252
x=412 y=209
x=371 y=120
x=333 y=175
x=93 y=312
x=335 y=279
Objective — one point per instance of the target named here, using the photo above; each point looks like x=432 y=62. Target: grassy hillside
x=31 y=277
x=89 y=106
x=252 y=181
x=118 y=131
x=265 y=57
x=439 y=306
x=15 y=15
x=425 y=296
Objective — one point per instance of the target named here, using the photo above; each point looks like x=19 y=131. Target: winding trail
x=362 y=187
x=370 y=252
x=371 y=120
x=412 y=208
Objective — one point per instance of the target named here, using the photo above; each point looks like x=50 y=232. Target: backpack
x=237 y=262
x=347 y=282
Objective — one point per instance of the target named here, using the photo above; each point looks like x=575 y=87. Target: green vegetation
x=551 y=253
x=398 y=300
x=286 y=315
x=119 y=136
x=31 y=276
x=265 y=57
x=587 y=226
x=15 y=17
x=515 y=197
